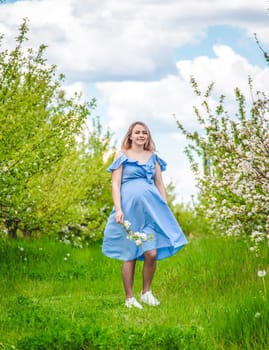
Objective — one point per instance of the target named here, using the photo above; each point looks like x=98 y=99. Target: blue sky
x=136 y=58
x=222 y=34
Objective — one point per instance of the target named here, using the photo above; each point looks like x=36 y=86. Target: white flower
x=261 y=273
x=143 y=236
x=137 y=237
x=127 y=224
x=257 y=315
x=256 y=233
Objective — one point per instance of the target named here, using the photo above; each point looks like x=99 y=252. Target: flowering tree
x=233 y=171
x=51 y=178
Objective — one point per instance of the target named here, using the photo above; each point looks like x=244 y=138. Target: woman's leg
x=149 y=269
x=128 y=270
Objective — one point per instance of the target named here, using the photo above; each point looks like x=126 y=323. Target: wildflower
x=127 y=224
x=261 y=273
x=258 y=239
x=137 y=237
x=66 y=241
x=138 y=241
x=257 y=315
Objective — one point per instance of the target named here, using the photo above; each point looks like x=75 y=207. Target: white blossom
x=137 y=237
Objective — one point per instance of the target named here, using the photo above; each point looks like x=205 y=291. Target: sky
x=136 y=58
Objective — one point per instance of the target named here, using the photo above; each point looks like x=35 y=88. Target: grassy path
x=54 y=296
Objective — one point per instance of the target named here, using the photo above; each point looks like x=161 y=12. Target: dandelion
x=137 y=237
x=261 y=273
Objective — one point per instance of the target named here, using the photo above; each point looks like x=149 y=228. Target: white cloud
x=157 y=101
x=122 y=39
x=228 y=70
x=73 y=88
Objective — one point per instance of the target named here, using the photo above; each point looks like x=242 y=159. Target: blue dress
x=147 y=212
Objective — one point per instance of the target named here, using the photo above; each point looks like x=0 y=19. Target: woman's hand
x=119 y=216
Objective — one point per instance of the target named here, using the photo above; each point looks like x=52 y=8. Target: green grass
x=54 y=296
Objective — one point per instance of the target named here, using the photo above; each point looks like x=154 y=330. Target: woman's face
x=139 y=135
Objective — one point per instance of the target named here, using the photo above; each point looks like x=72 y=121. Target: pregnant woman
x=140 y=205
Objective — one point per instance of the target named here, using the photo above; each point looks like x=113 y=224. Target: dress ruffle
x=124 y=159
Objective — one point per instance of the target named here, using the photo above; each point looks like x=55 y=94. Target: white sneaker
x=132 y=302
x=149 y=299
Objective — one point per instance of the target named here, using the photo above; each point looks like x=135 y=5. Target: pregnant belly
x=137 y=190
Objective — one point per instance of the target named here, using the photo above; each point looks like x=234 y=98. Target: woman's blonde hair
x=127 y=142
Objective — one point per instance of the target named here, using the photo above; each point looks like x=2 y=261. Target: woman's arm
x=116 y=196
x=158 y=180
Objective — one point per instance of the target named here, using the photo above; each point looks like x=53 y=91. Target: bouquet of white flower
x=137 y=237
